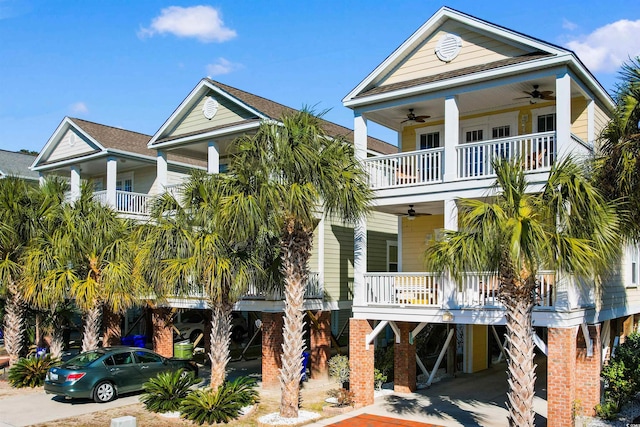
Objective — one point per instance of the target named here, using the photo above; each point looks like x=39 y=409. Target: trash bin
x=183 y=350
x=305 y=366
x=140 y=340
x=128 y=340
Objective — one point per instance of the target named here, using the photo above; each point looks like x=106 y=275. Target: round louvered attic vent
x=448 y=47
x=210 y=107
x=72 y=139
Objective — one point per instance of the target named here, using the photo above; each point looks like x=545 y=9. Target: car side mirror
x=165 y=360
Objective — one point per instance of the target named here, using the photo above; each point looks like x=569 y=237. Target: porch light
x=411 y=213
x=447 y=316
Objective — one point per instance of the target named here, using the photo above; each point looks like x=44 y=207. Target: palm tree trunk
x=14 y=327
x=57 y=343
x=91 y=328
x=521 y=375
x=296 y=251
x=220 y=339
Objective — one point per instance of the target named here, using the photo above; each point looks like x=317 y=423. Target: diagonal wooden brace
x=370 y=337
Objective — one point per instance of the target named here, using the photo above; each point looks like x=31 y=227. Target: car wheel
x=104 y=392
x=237 y=333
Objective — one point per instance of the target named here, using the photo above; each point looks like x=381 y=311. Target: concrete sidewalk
x=470 y=400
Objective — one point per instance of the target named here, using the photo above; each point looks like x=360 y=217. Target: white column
x=450 y=223
x=162 y=177
x=213 y=158
x=591 y=122
x=360 y=230
x=75 y=182
x=400 y=238
x=320 y=233
x=112 y=173
x=41 y=178
x=451 y=137
x=563 y=113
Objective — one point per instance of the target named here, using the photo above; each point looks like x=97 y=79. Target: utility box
x=126 y=421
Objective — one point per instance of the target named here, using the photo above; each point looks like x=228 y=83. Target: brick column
x=404 y=362
x=360 y=362
x=588 y=385
x=162 y=331
x=321 y=345
x=206 y=339
x=561 y=376
x=271 y=348
x=112 y=330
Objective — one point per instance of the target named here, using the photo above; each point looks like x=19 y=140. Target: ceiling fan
x=536 y=94
x=413 y=118
x=412 y=214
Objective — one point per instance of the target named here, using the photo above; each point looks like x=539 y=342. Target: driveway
x=34 y=408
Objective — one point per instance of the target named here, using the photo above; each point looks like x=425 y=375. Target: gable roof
x=538 y=54
x=17 y=164
x=259 y=107
x=106 y=140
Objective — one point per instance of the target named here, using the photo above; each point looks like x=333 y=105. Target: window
x=633 y=252
x=429 y=140
x=547 y=122
x=501 y=132
x=473 y=135
x=119 y=359
x=124 y=185
x=146 y=357
x=392 y=257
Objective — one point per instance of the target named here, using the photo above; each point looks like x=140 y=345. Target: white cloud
x=608 y=47
x=79 y=108
x=222 y=66
x=201 y=22
x=568 y=25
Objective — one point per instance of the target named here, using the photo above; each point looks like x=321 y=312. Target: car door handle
x=113 y=369
x=144 y=367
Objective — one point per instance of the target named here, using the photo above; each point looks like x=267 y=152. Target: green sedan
x=105 y=373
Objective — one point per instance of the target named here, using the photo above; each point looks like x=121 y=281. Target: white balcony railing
x=475 y=290
x=402 y=289
x=314 y=290
x=133 y=203
x=400 y=170
x=474 y=160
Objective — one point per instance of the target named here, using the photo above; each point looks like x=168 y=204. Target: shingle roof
x=454 y=73
x=276 y=111
x=126 y=140
x=17 y=164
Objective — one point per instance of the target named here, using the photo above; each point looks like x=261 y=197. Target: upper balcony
x=473 y=160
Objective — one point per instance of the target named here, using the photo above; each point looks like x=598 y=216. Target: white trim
x=210 y=134
x=537 y=112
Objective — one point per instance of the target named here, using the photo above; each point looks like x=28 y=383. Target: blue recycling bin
x=128 y=340
x=305 y=365
x=140 y=340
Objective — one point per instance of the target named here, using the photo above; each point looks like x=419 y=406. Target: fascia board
x=69 y=161
x=204 y=135
x=235 y=100
x=433 y=23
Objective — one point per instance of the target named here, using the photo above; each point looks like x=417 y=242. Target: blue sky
x=130 y=63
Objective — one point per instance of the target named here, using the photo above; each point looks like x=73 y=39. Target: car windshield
x=85 y=359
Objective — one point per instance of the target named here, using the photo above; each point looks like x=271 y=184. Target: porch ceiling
x=491 y=97
x=98 y=166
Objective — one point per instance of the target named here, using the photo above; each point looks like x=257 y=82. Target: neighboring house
x=117 y=161
x=203 y=127
x=128 y=169
x=460 y=92
x=17 y=164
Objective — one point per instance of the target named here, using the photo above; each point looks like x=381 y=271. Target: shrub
x=379 y=378
x=31 y=371
x=165 y=392
x=621 y=377
x=339 y=369
x=343 y=396
x=222 y=405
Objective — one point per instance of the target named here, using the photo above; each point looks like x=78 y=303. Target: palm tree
x=186 y=251
x=567 y=227
x=93 y=243
x=618 y=163
x=25 y=210
x=295 y=171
